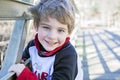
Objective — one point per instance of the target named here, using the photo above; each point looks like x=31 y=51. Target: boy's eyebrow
x=62 y=28
x=51 y=26
x=44 y=24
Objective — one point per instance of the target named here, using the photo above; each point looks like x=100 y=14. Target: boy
x=51 y=54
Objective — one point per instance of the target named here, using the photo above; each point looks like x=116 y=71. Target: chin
x=49 y=49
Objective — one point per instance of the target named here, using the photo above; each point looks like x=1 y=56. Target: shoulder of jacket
x=31 y=43
x=67 y=50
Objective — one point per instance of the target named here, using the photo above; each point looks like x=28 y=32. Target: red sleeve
x=27 y=75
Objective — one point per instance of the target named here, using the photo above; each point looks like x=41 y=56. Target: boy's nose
x=52 y=35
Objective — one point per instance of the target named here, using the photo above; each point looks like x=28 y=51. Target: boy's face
x=52 y=33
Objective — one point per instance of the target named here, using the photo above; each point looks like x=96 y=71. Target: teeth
x=51 y=43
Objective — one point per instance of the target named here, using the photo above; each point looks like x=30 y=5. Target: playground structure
x=15 y=10
x=17 y=39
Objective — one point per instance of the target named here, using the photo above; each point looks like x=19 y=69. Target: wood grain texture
x=13 y=9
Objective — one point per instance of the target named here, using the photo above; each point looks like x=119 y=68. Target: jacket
x=60 y=66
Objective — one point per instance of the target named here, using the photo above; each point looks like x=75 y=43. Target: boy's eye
x=45 y=27
x=61 y=30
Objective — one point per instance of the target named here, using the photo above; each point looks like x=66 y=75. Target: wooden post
x=15 y=47
x=14 y=10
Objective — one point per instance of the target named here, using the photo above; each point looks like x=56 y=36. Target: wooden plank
x=15 y=46
x=28 y=2
x=25 y=1
x=7 y=76
x=13 y=9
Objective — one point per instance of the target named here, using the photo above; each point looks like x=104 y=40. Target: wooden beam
x=13 y=9
x=15 y=47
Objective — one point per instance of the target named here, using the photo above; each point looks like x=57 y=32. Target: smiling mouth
x=51 y=43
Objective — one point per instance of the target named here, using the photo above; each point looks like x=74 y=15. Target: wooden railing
x=14 y=10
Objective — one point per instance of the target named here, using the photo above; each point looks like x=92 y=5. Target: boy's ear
x=36 y=28
x=68 y=35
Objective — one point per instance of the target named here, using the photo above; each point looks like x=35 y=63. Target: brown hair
x=62 y=10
